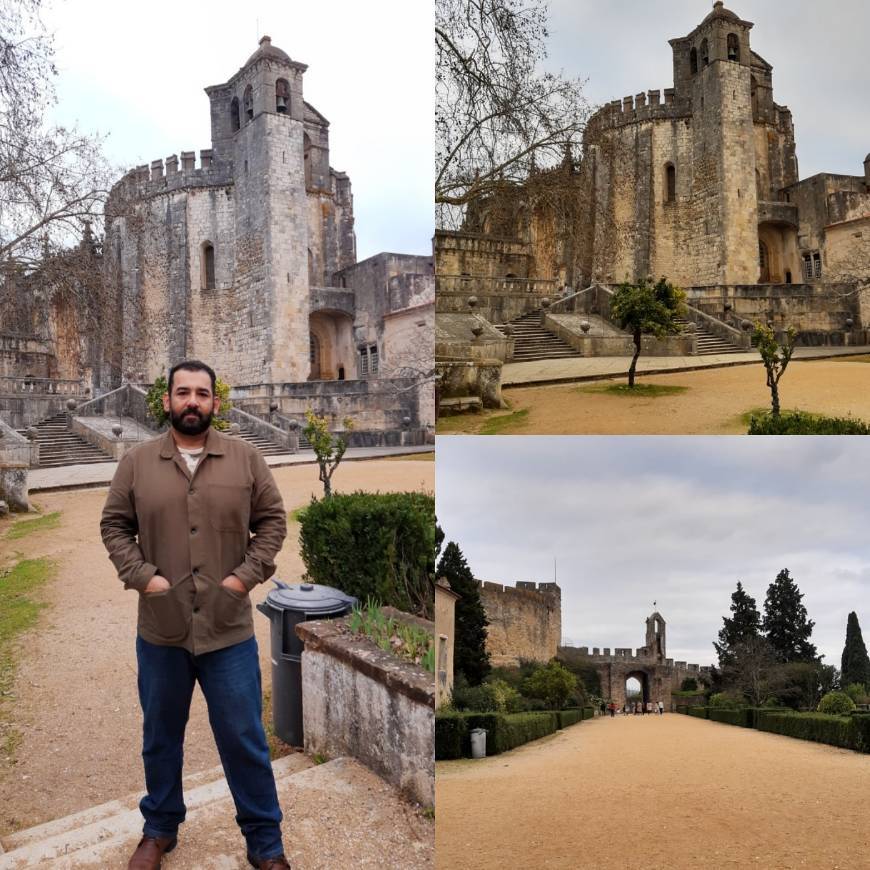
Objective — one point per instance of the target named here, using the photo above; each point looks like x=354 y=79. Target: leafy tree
x=800 y=685
x=470 y=657
x=775 y=357
x=836 y=704
x=553 y=683
x=497 y=115
x=646 y=309
x=858 y=693
x=749 y=672
x=745 y=622
x=328 y=448
x=439 y=539
x=855 y=664
x=156 y=392
x=785 y=624
x=690 y=684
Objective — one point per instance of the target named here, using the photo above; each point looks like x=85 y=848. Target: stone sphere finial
x=273 y=406
x=545 y=303
x=406 y=422
x=585 y=325
x=117 y=429
x=477 y=330
x=472 y=302
x=849 y=323
x=293 y=425
x=235 y=428
x=71 y=404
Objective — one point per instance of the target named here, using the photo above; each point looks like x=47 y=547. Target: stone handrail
x=264 y=429
x=719 y=328
x=483 y=285
x=127 y=400
x=42 y=386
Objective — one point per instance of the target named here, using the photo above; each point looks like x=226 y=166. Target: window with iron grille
x=817 y=265
x=363 y=362
x=373 y=359
x=808 y=267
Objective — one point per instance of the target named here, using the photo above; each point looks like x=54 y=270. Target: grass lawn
x=34 y=524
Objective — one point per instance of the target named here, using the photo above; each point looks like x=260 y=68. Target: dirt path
x=74 y=698
x=655 y=792
x=712 y=405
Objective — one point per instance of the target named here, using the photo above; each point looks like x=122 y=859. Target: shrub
x=861 y=728
x=451 y=735
x=507 y=731
x=588 y=712
x=569 y=717
x=690 y=684
x=725 y=701
x=836 y=704
x=552 y=682
x=857 y=692
x=682 y=708
x=802 y=423
x=374 y=545
x=154 y=403
x=818 y=727
x=699 y=712
x=493 y=696
x=732 y=716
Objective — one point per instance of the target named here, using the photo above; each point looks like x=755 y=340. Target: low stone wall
x=567 y=327
x=481 y=378
x=495 y=307
x=15 y=460
x=98 y=431
x=362 y=702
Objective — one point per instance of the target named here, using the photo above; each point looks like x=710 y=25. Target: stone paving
x=77 y=476
x=594 y=368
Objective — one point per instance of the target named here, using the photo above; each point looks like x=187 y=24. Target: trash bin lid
x=478 y=731
x=311 y=598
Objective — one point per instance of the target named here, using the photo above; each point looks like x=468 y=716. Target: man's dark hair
x=191 y=365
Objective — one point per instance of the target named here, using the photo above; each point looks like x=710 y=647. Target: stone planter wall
x=362 y=702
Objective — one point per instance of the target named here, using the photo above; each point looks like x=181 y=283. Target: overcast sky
x=679 y=521
x=137 y=71
x=818 y=52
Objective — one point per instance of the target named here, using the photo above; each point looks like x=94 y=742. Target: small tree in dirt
x=553 y=683
x=855 y=664
x=775 y=357
x=328 y=448
x=470 y=657
x=646 y=309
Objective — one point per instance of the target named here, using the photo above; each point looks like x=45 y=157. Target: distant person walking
x=661 y=708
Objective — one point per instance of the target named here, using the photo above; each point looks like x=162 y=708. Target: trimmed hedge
x=802 y=423
x=743 y=716
x=818 y=727
x=569 y=717
x=451 y=735
x=588 y=712
x=379 y=545
x=699 y=712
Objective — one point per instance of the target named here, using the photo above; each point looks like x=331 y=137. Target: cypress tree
x=470 y=657
x=745 y=623
x=855 y=665
x=785 y=622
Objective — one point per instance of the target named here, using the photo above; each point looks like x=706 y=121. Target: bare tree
x=497 y=117
x=53 y=179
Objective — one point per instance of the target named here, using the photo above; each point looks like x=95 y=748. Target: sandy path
x=711 y=406
x=75 y=700
x=655 y=792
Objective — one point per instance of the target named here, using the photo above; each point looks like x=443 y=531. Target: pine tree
x=785 y=624
x=855 y=664
x=470 y=657
x=745 y=623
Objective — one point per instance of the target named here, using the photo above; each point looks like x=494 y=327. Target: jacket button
x=196 y=610
x=193 y=531
x=195 y=571
x=191 y=491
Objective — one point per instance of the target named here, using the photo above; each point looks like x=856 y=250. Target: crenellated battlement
x=645 y=106
x=641 y=656
x=526 y=589
x=167 y=174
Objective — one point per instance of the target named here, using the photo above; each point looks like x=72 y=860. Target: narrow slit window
x=670 y=183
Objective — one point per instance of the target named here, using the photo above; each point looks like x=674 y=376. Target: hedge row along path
x=655 y=792
x=75 y=701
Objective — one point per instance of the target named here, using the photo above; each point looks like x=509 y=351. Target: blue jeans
x=230 y=680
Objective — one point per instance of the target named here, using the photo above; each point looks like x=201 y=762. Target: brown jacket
x=194 y=532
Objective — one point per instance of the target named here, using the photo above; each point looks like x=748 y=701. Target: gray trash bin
x=478 y=743
x=287 y=606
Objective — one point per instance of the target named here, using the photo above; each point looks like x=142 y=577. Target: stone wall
x=458 y=253
x=525 y=622
x=363 y=702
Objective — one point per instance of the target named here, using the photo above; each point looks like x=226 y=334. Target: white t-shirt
x=191 y=456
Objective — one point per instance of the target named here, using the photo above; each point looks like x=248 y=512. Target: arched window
x=693 y=60
x=306 y=158
x=733 y=47
x=235 y=121
x=670 y=183
x=248 y=101
x=282 y=97
x=705 y=53
x=207 y=266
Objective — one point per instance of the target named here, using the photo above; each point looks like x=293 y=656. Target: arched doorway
x=763 y=262
x=332 y=353
x=636 y=687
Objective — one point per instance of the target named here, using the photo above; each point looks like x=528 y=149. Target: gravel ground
x=74 y=698
x=712 y=405
x=657 y=793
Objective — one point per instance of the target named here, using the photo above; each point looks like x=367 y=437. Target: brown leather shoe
x=279 y=863
x=150 y=851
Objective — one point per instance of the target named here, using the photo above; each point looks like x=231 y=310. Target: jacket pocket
x=229 y=507
x=232 y=609
x=164 y=615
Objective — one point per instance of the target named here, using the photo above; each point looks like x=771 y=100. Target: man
x=177 y=525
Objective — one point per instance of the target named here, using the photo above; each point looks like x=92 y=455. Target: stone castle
x=698 y=183
x=658 y=675
x=525 y=621
x=246 y=258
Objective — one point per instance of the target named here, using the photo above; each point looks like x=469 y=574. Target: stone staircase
x=533 y=342
x=59 y=446
x=708 y=343
x=336 y=814
x=268 y=447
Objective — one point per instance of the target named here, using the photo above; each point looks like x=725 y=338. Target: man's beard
x=192 y=426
